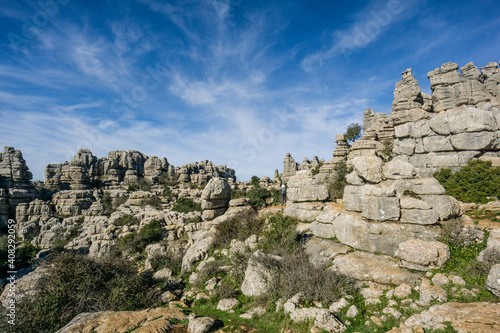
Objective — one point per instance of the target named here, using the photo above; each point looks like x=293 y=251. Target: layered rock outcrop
x=460 y=121
x=215 y=198
x=15 y=183
x=86 y=171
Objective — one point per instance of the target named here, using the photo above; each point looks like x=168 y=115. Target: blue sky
x=238 y=82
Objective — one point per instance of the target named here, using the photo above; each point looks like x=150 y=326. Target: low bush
x=153 y=201
x=296 y=274
x=25 y=254
x=464 y=251
x=136 y=242
x=171 y=261
x=239 y=228
x=74 y=284
x=258 y=197
x=141 y=185
x=109 y=204
x=336 y=188
x=280 y=236
x=476 y=182
x=186 y=205
x=127 y=220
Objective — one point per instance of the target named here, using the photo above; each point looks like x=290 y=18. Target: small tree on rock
x=353 y=132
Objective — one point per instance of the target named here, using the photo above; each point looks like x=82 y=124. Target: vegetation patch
x=25 y=254
x=136 y=242
x=186 y=205
x=127 y=220
x=76 y=284
x=477 y=182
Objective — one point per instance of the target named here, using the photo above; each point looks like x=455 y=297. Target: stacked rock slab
x=215 y=198
x=15 y=183
x=305 y=196
x=86 y=170
x=290 y=167
x=386 y=204
x=461 y=120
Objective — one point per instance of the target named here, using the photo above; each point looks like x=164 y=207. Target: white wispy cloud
x=367 y=26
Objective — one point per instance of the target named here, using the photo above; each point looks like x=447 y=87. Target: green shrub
x=295 y=273
x=172 y=261
x=141 y=185
x=353 y=132
x=464 y=251
x=255 y=181
x=153 y=201
x=280 y=236
x=76 y=284
x=236 y=194
x=25 y=254
x=239 y=228
x=109 y=204
x=127 y=220
x=136 y=242
x=336 y=188
x=186 y=205
x=473 y=183
x=258 y=196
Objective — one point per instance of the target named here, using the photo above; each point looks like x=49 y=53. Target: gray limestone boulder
x=366 y=266
x=302 y=187
x=423 y=255
x=200 y=325
x=493 y=281
x=227 y=304
x=322 y=251
x=197 y=251
x=369 y=168
x=216 y=189
x=381 y=208
x=259 y=274
x=399 y=168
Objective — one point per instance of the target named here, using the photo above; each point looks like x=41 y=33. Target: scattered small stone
x=227 y=304
x=352 y=312
x=393 y=312
x=402 y=291
x=257 y=311
x=200 y=325
x=339 y=305
x=458 y=280
x=407 y=301
x=392 y=303
x=210 y=284
x=376 y=321
x=371 y=301
x=440 y=280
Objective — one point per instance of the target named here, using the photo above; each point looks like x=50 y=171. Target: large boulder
x=215 y=198
x=481 y=317
x=259 y=275
x=493 y=281
x=369 y=168
x=371 y=267
x=303 y=187
x=146 y=321
x=422 y=255
x=197 y=251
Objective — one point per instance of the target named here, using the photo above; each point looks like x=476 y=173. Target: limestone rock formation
x=127 y=167
x=290 y=168
x=15 y=183
x=459 y=122
x=257 y=275
x=215 y=198
x=423 y=256
x=463 y=317
x=146 y=321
